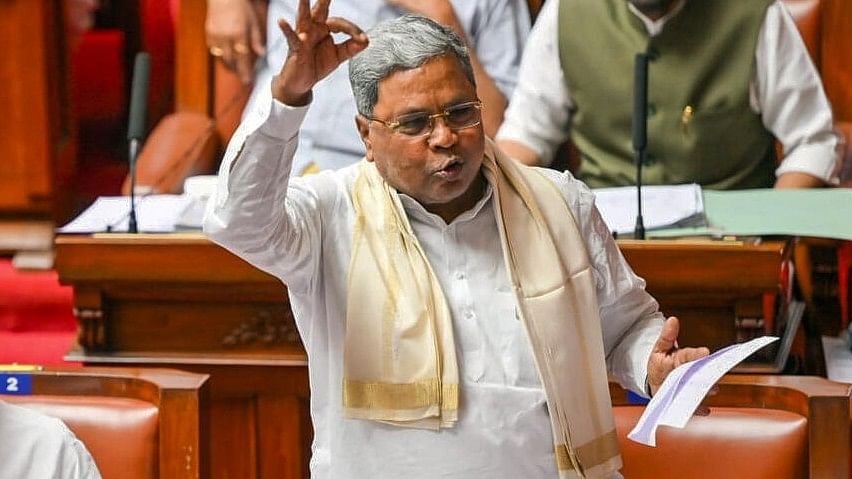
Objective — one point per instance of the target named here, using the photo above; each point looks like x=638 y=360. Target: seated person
x=460 y=311
x=725 y=77
x=495 y=31
x=36 y=446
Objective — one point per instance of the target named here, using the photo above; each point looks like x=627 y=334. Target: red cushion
x=730 y=442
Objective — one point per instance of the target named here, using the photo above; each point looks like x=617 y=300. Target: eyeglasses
x=457 y=117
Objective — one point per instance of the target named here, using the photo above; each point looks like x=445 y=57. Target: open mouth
x=452 y=169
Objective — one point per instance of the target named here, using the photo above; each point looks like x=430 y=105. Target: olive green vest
x=700 y=126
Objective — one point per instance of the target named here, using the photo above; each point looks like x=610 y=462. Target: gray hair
x=403 y=43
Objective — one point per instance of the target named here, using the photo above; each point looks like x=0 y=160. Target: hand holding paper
x=685 y=387
x=666 y=356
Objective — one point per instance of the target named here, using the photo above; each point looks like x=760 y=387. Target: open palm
x=313 y=55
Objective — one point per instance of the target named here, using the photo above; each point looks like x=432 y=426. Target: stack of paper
x=663 y=206
x=154 y=214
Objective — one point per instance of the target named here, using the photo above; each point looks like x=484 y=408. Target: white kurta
x=302 y=233
x=36 y=446
x=785 y=90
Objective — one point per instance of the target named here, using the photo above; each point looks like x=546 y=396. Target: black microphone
x=136 y=125
x=640 y=132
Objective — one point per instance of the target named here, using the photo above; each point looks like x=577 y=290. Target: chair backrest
x=137 y=423
x=759 y=427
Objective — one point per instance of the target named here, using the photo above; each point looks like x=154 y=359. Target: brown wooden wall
x=37 y=137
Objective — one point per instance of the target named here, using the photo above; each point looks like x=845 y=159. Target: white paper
x=838 y=359
x=662 y=206
x=686 y=386
x=154 y=214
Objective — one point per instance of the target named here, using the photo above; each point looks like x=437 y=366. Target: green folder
x=820 y=213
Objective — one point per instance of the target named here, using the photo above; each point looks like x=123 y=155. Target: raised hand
x=666 y=356
x=313 y=55
x=235 y=34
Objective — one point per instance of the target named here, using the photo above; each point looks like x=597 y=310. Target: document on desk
x=154 y=214
x=663 y=206
x=686 y=386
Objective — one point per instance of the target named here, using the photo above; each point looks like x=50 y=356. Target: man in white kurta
x=301 y=231
x=36 y=446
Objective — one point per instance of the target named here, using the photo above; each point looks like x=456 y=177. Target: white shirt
x=496 y=30
x=36 y=446
x=302 y=233
x=785 y=90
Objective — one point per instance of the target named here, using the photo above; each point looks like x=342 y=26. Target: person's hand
x=312 y=54
x=666 y=356
x=235 y=35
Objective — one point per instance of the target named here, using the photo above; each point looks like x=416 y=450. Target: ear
x=363 y=125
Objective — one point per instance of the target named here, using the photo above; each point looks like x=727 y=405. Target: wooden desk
x=181 y=301
x=719 y=289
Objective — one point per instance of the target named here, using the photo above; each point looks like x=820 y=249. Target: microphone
x=136 y=125
x=640 y=132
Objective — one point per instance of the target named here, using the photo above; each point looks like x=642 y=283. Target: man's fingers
x=702 y=410
x=349 y=49
x=668 y=336
x=293 y=41
x=342 y=25
x=320 y=11
x=686 y=355
x=353 y=45
x=303 y=16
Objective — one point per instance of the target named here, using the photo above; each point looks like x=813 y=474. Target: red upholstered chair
x=759 y=427
x=137 y=423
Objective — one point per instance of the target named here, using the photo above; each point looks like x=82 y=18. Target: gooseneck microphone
x=136 y=125
x=640 y=132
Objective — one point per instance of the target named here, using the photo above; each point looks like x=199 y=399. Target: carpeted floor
x=37 y=323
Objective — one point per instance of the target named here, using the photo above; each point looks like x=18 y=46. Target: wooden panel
x=36 y=140
x=234 y=426
x=837 y=57
x=192 y=63
x=709 y=285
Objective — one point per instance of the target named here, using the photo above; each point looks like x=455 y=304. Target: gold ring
x=216 y=51
x=240 y=48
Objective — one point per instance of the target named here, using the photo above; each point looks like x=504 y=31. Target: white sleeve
x=255 y=212
x=791 y=99
x=539 y=112
x=631 y=320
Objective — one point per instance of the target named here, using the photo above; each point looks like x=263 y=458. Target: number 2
x=12 y=384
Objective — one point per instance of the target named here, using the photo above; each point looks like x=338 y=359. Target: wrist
x=291 y=98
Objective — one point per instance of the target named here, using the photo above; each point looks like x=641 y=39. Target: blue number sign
x=19 y=384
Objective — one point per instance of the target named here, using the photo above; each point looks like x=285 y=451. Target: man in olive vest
x=726 y=78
